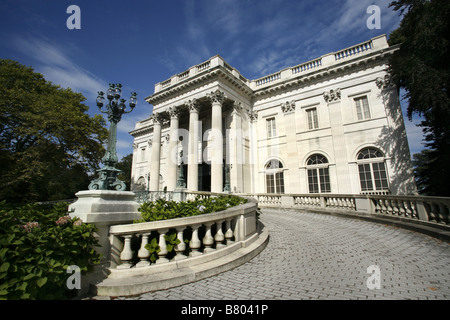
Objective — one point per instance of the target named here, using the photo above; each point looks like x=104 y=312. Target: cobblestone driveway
x=317 y=256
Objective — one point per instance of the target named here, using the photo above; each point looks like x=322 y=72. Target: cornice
x=341 y=68
x=209 y=75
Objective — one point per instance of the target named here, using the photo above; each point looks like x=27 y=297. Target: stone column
x=156 y=153
x=236 y=158
x=173 y=148
x=192 y=182
x=216 y=97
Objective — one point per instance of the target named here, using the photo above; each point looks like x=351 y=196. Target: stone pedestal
x=103 y=208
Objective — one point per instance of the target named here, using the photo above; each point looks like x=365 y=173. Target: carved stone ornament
x=288 y=106
x=237 y=107
x=383 y=83
x=150 y=142
x=253 y=115
x=216 y=96
x=173 y=112
x=332 y=95
x=156 y=117
x=193 y=105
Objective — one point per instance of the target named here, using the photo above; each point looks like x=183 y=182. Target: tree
x=48 y=143
x=421 y=66
x=125 y=166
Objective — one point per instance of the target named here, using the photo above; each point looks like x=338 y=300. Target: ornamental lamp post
x=116 y=107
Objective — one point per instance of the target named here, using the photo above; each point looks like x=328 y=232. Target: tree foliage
x=48 y=142
x=125 y=166
x=421 y=66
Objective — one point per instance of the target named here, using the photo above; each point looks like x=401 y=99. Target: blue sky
x=140 y=43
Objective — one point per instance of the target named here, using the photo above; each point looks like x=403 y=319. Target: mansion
x=330 y=125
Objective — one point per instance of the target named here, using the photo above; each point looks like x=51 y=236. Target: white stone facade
x=330 y=125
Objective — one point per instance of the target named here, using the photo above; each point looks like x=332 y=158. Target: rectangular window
x=313 y=181
x=365 y=177
x=280 y=182
x=313 y=122
x=270 y=182
x=324 y=180
x=271 y=128
x=362 y=108
x=379 y=175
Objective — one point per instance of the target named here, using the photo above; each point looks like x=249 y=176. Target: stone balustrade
x=323 y=62
x=219 y=231
x=431 y=209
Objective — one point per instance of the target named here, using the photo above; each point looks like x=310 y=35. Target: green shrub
x=163 y=210
x=37 y=245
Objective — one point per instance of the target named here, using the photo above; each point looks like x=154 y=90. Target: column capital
x=156 y=117
x=332 y=95
x=253 y=115
x=173 y=112
x=216 y=96
x=288 y=106
x=193 y=105
x=237 y=107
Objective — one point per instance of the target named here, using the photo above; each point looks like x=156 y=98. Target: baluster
x=208 y=240
x=143 y=253
x=219 y=237
x=441 y=213
x=432 y=213
x=402 y=208
x=195 y=243
x=389 y=206
x=179 y=248
x=395 y=206
x=412 y=205
x=162 y=246
x=126 y=255
x=229 y=233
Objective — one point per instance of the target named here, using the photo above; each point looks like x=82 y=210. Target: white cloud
x=55 y=64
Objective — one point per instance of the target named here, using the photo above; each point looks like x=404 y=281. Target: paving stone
x=318 y=256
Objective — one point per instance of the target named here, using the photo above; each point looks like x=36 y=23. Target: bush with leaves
x=37 y=245
x=163 y=210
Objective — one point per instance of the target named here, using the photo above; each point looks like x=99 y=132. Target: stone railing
x=431 y=209
x=219 y=231
x=321 y=63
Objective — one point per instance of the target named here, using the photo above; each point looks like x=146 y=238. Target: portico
x=196 y=145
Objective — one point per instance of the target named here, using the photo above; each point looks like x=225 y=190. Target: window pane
x=365 y=177
x=358 y=109
x=379 y=174
x=279 y=182
x=270 y=183
x=324 y=180
x=313 y=122
x=365 y=104
x=312 y=181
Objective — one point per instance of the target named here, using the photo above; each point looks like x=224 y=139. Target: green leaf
x=41 y=282
x=4 y=267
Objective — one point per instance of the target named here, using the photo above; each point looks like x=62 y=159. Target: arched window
x=274 y=177
x=318 y=174
x=372 y=170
